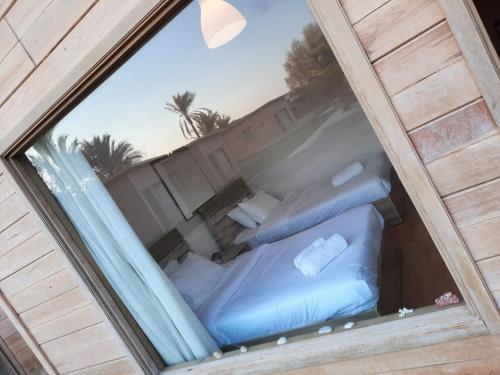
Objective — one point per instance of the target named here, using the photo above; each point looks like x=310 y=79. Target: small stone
x=404 y=311
x=217 y=355
x=349 y=325
x=325 y=329
x=282 y=340
x=243 y=349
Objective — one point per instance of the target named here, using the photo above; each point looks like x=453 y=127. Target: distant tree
x=223 y=121
x=310 y=64
x=181 y=105
x=107 y=156
x=208 y=121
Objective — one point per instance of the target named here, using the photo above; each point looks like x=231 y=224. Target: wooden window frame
x=426 y=326
x=475 y=44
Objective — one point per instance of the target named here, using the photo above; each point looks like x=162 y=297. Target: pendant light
x=220 y=22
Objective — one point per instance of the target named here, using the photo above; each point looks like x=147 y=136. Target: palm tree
x=223 y=121
x=181 y=105
x=107 y=156
x=206 y=121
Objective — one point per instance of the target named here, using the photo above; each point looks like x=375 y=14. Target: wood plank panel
x=55 y=308
x=43 y=291
x=475 y=205
x=490 y=269
x=74 y=321
x=460 y=170
x=76 y=54
x=359 y=9
x=26 y=253
x=423 y=56
x=6 y=328
x=483 y=239
x=436 y=95
x=12 y=209
x=453 y=131
x=19 y=232
x=37 y=271
x=484 y=366
x=24 y=13
x=118 y=367
x=5 y=5
x=52 y=25
x=82 y=349
x=7 y=39
x=477 y=348
x=395 y=23
x=13 y=69
x=16 y=343
x=30 y=363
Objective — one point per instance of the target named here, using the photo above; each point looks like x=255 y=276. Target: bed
x=261 y=293
x=321 y=201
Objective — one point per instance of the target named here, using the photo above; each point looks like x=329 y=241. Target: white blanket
x=262 y=293
x=320 y=202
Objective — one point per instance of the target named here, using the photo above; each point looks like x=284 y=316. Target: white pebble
x=325 y=329
x=217 y=355
x=349 y=325
x=243 y=349
x=404 y=311
x=282 y=340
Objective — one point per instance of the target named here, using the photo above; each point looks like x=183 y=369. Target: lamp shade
x=220 y=22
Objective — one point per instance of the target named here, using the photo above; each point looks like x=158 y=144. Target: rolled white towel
x=319 y=254
x=347 y=174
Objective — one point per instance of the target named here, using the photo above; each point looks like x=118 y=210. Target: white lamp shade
x=220 y=22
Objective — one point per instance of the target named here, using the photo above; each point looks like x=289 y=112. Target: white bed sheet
x=262 y=293
x=321 y=201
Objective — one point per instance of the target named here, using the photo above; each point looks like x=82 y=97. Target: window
x=284 y=119
x=220 y=161
x=248 y=134
x=320 y=208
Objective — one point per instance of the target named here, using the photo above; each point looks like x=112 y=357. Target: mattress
x=262 y=293
x=321 y=201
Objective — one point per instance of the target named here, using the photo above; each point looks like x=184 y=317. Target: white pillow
x=260 y=206
x=238 y=215
x=195 y=278
x=347 y=174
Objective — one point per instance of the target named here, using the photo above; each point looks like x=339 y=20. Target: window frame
x=384 y=334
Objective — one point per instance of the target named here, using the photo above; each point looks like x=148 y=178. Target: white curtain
x=149 y=295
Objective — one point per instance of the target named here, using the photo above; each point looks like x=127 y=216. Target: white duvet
x=322 y=201
x=262 y=293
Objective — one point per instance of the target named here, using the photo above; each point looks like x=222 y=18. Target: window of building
x=284 y=119
x=220 y=161
x=314 y=230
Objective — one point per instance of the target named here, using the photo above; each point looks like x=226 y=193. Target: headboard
x=170 y=246
x=224 y=229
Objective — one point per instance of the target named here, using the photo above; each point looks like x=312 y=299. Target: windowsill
x=424 y=326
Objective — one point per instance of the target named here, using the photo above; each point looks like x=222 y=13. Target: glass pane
x=235 y=193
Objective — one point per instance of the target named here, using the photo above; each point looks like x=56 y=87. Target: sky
x=233 y=79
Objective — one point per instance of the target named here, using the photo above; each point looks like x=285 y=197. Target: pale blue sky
x=233 y=79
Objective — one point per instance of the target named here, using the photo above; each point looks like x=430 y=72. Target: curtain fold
x=149 y=295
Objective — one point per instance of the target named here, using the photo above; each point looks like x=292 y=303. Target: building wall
x=258 y=130
x=47 y=45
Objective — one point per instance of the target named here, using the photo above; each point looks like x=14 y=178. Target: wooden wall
x=16 y=350
x=421 y=67
x=47 y=45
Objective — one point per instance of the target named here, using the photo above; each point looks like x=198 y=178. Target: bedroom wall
x=47 y=45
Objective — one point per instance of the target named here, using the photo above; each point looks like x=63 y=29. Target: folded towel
x=347 y=174
x=319 y=254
